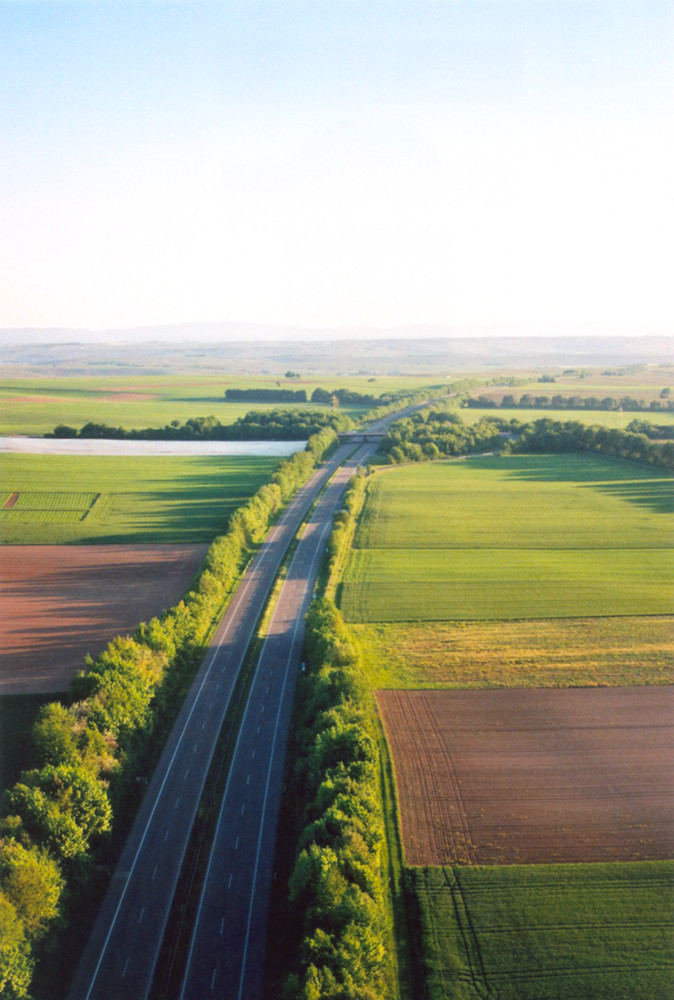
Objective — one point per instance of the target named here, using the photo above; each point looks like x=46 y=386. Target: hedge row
x=558 y=402
x=336 y=892
x=262 y=425
x=88 y=750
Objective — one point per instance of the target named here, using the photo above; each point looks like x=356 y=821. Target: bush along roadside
x=70 y=810
x=337 y=895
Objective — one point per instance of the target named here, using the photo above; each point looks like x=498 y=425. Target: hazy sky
x=336 y=162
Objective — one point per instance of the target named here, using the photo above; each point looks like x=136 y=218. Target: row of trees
x=267 y=395
x=257 y=425
x=336 y=892
x=558 y=402
x=90 y=748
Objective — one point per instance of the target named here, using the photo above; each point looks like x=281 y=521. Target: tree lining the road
x=71 y=808
x=336 y=893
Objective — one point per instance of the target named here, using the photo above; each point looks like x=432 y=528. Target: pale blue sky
x=336 y=162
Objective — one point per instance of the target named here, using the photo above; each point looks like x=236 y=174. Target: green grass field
x=519 y=537
x=548 y=932
x=91 y=499
x=31 y=406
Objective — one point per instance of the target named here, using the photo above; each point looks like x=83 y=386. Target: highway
x=120 y=958
x=121 y=954
x=227 y=952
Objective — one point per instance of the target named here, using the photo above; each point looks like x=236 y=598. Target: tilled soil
x=60 y=602
x=533 y=776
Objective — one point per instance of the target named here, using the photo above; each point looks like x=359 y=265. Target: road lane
x=121 y=954
x=226 y=958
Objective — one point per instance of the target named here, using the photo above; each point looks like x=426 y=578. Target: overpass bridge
x=361 y=437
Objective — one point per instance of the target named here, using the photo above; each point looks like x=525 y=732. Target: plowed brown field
x=58 y=603
x=533 y=776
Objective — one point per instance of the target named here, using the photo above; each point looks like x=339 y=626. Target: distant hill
x=238 y=347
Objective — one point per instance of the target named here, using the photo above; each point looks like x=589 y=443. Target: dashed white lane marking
x=142 y=914
x=222 y=926
x=177 y=803
x=229 y=883
x=126 y=966
x=203 y=726
x=243 y=808
x=213 y=979
x=166 y=835
x=236 y=845
x=253 y=753
x=154 y=872
x=187 y=771
x=248 y=780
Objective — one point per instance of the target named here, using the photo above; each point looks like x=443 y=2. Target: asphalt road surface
x=121 y=954
x=226 y=958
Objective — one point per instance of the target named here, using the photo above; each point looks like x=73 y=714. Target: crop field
x=548 y=932
x=533 y=776
x=31 y=406
x=601 y=418
x=517 y=537
x=61 y=602
x=57 y=499
x=571 y=652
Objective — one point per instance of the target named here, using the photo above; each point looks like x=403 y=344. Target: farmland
x=31 y=406
x=558 y=652
x=92 y=499
x=559 y=932
x=490 y=551
x=62 y=602
x=535 y=590
x=529 y=776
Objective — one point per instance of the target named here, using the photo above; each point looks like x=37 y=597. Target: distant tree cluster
x=89 y=748
x=527 y=401
x=431 y=433
x=257 y=425
x=267 y=395
x=547 y=435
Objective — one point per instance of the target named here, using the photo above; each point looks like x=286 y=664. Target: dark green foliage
x=62 y=807
x=430 y=433
x=335 y=891
x=553 y=435
x=267 y=395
